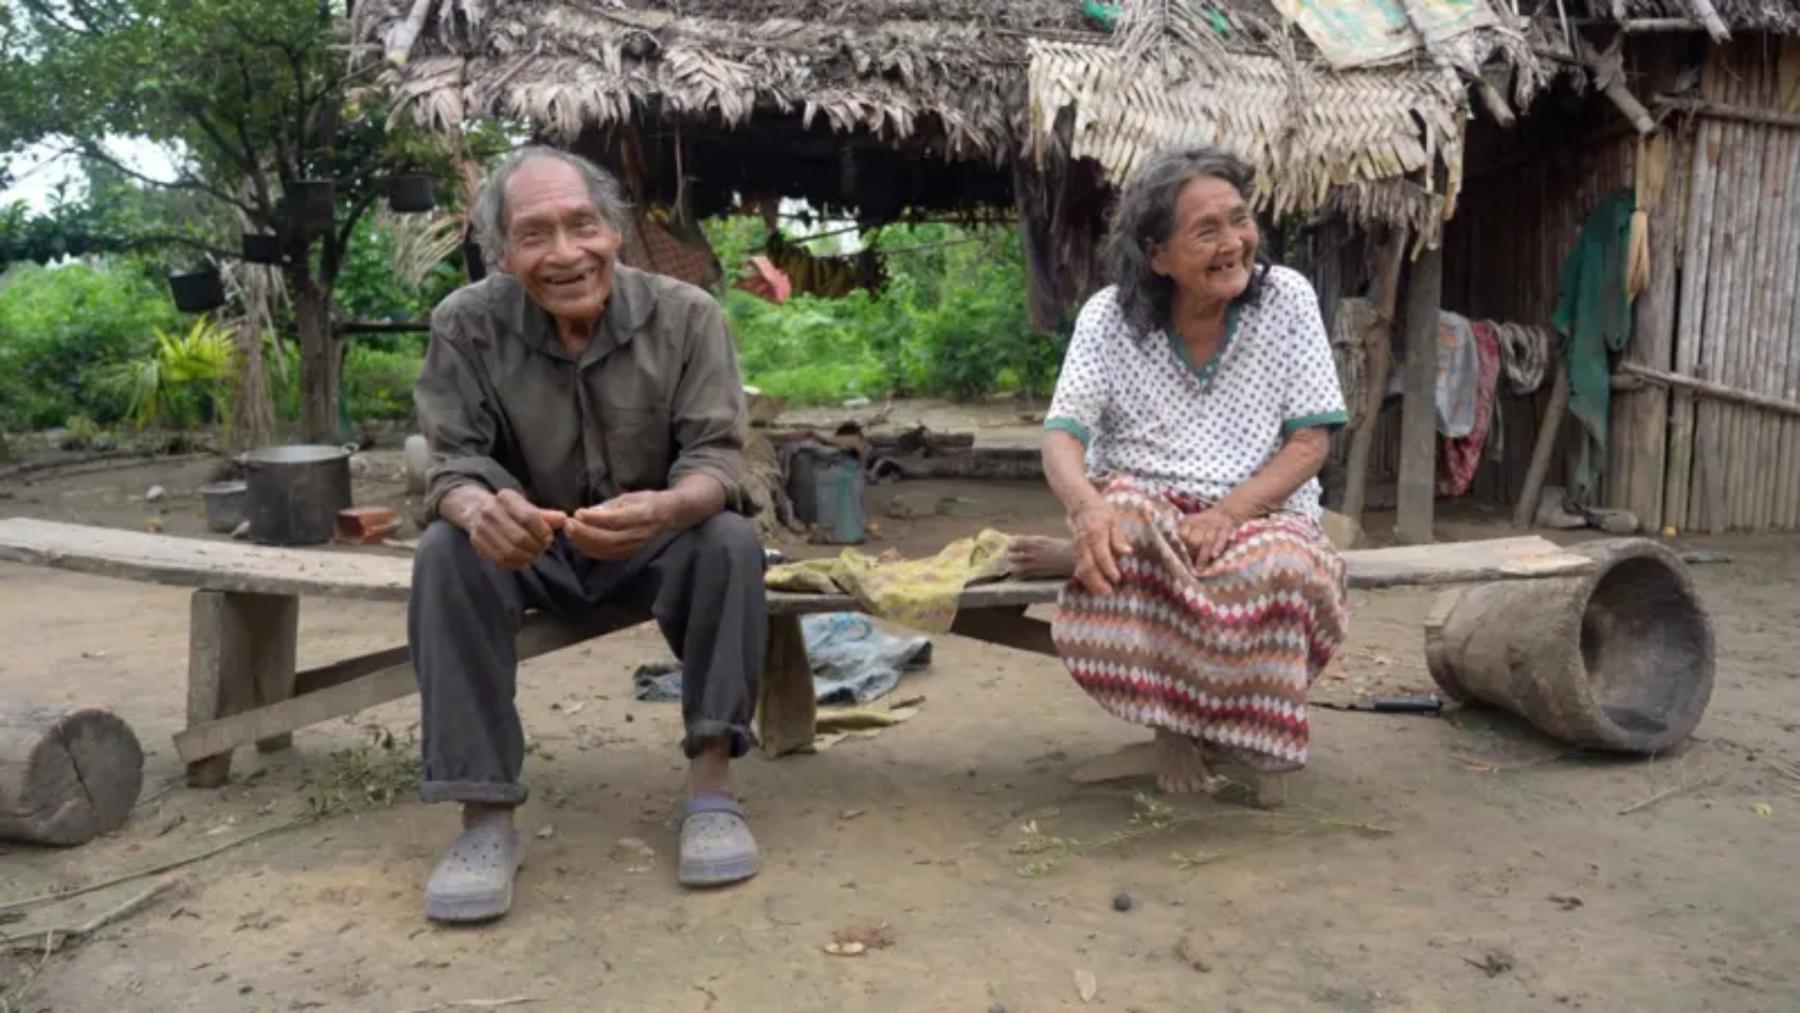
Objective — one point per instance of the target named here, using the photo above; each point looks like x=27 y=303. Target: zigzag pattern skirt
x=1224 y=653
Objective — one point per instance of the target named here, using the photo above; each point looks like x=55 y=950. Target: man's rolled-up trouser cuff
x=484 y=792
x=702 y=734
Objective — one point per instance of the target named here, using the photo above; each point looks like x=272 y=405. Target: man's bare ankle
x=477 y=813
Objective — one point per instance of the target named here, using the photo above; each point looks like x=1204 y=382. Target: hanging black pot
x=411 y=193
x=262 y=248
x=198 y=291
x=313 y=204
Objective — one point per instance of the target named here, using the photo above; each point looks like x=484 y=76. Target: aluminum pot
x=224 y=505
x=296 y=492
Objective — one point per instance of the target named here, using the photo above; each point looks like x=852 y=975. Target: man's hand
x=619 y=527
x=504 y=527
x=1207 y=533
x=1099 y=543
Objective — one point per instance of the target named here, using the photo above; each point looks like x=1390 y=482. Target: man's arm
x=468 y=487
x=710 y=420
x=458 y=420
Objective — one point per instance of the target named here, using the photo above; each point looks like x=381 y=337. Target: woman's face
x=1213 y=246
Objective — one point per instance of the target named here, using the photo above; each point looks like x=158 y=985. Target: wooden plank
x=235 y=641
x=1418 y=408
x=786 y=703
x=1459 y=562
x=1007 y=627
x=204 y=741
x=1696 y=248
x=200 y=563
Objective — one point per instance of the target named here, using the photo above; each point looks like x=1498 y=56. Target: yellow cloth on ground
x=920 y=593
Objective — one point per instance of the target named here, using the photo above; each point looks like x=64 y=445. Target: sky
x=38 y=171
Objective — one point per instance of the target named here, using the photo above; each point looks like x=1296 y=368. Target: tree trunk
x=252 y=421
x=319 y=362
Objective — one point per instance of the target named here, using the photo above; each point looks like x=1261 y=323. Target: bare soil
x=1502 y=877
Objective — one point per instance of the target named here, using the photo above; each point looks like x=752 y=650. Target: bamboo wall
x=1723 y=306
x=1723 y=303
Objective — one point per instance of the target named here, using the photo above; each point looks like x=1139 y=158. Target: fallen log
x=66 y=775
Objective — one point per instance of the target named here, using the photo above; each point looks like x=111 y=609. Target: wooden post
x=1549 y=429
x=1418 y=410
x=239 y=646
x=1380 y=356
x=786 y=707
x=1640 y=420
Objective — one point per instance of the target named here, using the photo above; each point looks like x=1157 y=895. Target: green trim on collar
x=1204 y=372
x=1315 y=420
x=1070 y=426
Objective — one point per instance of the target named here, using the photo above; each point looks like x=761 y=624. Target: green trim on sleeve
x=1315 y=420
x=1070 y=426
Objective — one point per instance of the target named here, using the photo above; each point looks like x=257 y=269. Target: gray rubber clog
x=474 y=880
x=716 y=846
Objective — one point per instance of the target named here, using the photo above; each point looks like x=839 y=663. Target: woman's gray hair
x=488 y=217
x=1145 y=217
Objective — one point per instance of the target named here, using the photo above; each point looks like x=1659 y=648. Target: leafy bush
x=182 y=383
x=951 y=322
x=61 y=327
x=378 y=382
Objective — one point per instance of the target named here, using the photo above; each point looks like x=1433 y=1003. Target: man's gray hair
x=1145 y=217
x=488 y=217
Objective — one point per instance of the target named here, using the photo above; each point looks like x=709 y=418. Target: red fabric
x=1459 y=458
x=766 y=281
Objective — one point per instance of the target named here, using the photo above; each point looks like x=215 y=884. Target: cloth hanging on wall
x=1593 y=312
x=1458 y=458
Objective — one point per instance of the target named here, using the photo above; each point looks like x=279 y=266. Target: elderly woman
x=1190 y=421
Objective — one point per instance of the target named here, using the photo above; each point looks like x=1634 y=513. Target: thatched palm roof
x=985 y=80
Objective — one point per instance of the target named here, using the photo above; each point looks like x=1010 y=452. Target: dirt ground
x=1421 y=863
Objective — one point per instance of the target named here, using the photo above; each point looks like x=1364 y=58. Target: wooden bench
x=244 y=687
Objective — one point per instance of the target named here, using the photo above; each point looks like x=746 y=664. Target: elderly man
x=586 y=422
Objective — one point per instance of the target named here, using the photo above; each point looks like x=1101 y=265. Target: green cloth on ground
x=1593 y=314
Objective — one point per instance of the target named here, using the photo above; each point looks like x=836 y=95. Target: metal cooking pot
x=296 y=492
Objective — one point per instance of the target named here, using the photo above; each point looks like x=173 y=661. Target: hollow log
x=66 y=775
x=1618 y=658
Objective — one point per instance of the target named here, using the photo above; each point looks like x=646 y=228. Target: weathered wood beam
x=1707 y=388
x=1418 y=409
x=1728 y=111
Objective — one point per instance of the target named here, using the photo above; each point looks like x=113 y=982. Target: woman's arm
x=1098 y=541
x=1298 y=461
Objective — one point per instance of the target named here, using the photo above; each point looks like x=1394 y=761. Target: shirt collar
x=619 y=322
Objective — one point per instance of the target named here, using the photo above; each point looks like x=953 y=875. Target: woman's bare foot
x=1036 y=557
x=1180 y=765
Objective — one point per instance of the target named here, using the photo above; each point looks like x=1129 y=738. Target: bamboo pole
x=1708 y=16
x=1714 y=391
x=1418 y=406
x=1767 y=367
x=1695 y=256
x=1380 y=356
x=1643 y=418
x=1785 y=508
x=1728 y=111
x=1545 y=448
x=1707 y=512
x=1736 y=458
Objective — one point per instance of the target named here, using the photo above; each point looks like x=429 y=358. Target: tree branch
x=186 y=182
x=335 y=249
x=245 y=158
x=43 y=10
x=168 y=238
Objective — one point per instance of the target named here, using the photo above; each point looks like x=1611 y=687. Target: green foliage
x=60 y=328
x=180 y=384
x=378 y=382
x=369 y=287
x=951 y=322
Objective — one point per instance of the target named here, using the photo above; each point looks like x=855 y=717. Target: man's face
x=559 y=245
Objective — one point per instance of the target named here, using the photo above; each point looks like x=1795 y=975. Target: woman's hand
x=1099 y=542
x=1207 y=533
